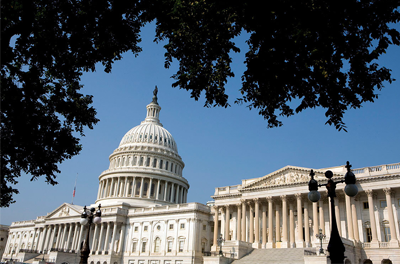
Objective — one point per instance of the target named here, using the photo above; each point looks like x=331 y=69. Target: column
x=112 y=191
x=244 y=231
x=270 y=243
x=257 y=221
x=227 y=221
x=98 y=248
x=46 y=239
x=62 y=243
x=122 y=237
x=172 y=192
x=321 y=216
x=251 y=223
x=106 y=241
x=133 y=186
x=105 y=194
x=80 y=239
x=306 y=224
x=99 y=191
x=264 y=226
x=70 y=234
x=58 y=239
x=141 y=188
x=94 y=240
x=50 y=246
x=73 y=245
x=337 y=214
x=394 y=242
x=126 y=189
x=284 y=243
x=300 y=239
x=215 y=243
x=151 y=182
x=238 y=221
x=374 y=242
x=315 y=223
x=354 y=218
x=350 y=232
x=43 y=238
x=176 y=193
x=113 y=237
x=291 y=225
x=158 y=189
x=278 y=237
x=165 y=191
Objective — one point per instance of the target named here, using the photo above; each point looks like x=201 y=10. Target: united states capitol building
x=146 y=218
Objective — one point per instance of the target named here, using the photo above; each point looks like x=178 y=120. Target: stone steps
x=273 y=256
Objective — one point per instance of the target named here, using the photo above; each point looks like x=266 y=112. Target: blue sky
x=219 y=146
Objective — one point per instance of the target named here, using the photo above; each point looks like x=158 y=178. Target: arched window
x=386 y=261
x=157 y=243
x=154 y=163
x=172 y=165
x=161 y=164
x=141 y=161
x=166 y=165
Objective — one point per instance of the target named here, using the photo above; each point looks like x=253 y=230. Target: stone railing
x=378 y=170
x=227 y=190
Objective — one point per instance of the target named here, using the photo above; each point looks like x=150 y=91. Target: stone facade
x=146 y=218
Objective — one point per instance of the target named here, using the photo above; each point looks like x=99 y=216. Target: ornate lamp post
x=219 y=241
x=320 y=236
x=335 y=247
x=87 y=219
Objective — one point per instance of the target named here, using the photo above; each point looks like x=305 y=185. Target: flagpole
x=73 y=194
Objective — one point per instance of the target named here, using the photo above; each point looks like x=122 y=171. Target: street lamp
x=87 y=219
x=320 y=236
x=335 y=247
x=220 y=240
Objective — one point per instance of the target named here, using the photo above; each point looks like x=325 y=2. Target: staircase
x=273 y=256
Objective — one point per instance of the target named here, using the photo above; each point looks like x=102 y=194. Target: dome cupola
x=145 y=169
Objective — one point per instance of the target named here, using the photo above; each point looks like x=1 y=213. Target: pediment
x=65 y=210
x=284 y=176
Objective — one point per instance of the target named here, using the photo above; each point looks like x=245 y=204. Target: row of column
x=146 y=161
x=143 y=188
x=250 y=230
x=388 y=195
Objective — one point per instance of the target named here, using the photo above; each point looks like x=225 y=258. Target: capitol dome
x=145 y=169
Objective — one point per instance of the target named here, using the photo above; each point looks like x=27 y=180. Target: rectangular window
x=387 y=234
x=204 y=227
x=136 y=228
x=365 y=205
x=144 y=247
x=383 y=204
x=369 y=234
x=134 y=245
x=171 y=226
x=169 y=249
x=145 y=228
x=181 y=245
x=182 y=226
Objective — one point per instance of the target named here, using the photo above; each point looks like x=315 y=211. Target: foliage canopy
x=320 y=53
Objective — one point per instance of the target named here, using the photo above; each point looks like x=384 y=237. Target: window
x=144 y=246
x=166 y=165
x=369 y=234
x=365 y=205
x=182 y=226
x=204 y=227
x=161 y=163
x=383 y=204
x=386 y=230
x=141 y=161
x=157 y=244
x=169 y=249
x=148 y=162
x=134 y=245
x=154 y=163
x=158 y=227
x=136 y=228
x=145 y=228
x=171 y=226
x=172 y=165
x=181 y=245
